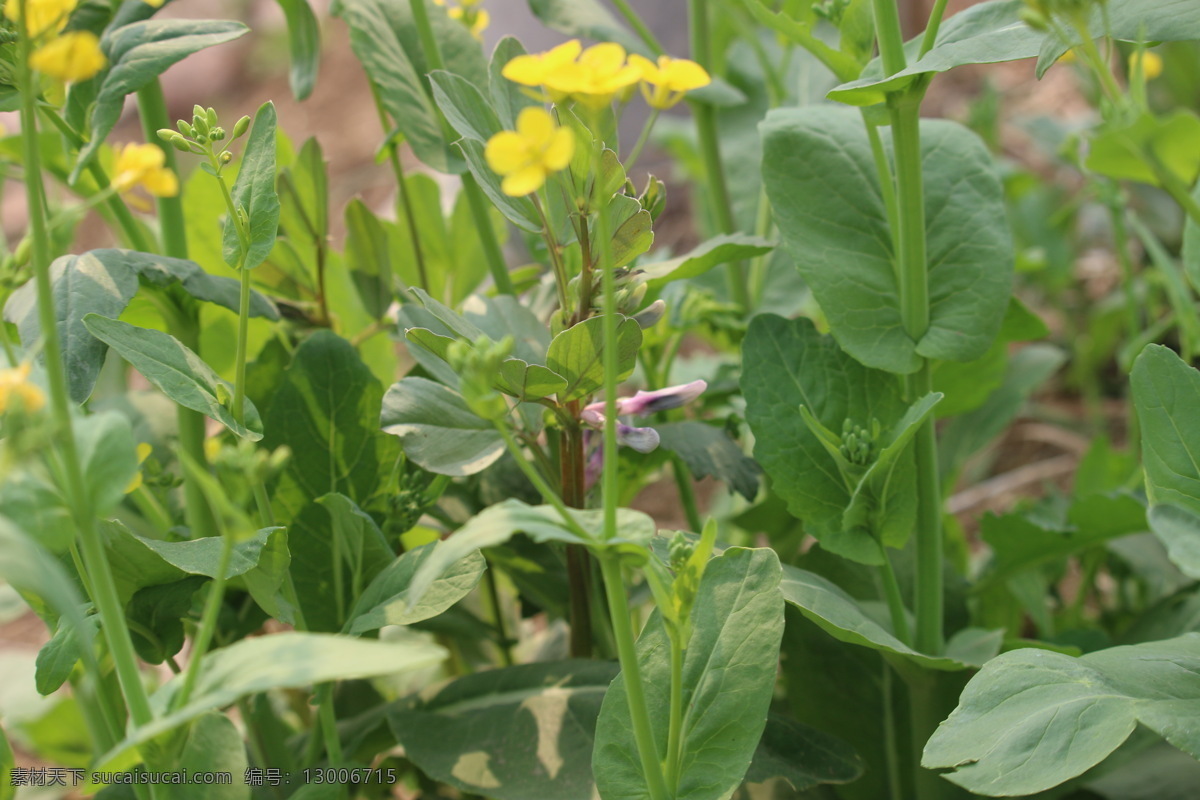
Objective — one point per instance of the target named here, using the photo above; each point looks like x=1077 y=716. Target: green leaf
x=254 y=191
x=1032 y=719
x=507 y=97
x=465 y=106
x=577 y=354
x=81 y=285
x=786 y=365
x=497 y=524
x=520 y=211
x=718 y=250
x=1131 y=151
x=158 y=611
x=279 y=661
x=991 y=32
x=203 y=556
x=108 y=456
x=368 y=257
x=137 y=54
x=163 y=272
x=793 y=756
x=58 y=657
x=1191 y=245
x=304 y=43
x=326 y=412
x=820 y=176
x=1179 y=530
x=177 y=371
x=383 y=601
x=437 y=430
x=512 y=733
x=840 y=615
x=631 y=226
x=586 y=19
x=1166 y=392
x=214 y=746
x=709 y=452
x=728 y=680
x=38 y=509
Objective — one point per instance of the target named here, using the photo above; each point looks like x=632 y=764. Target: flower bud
x=225 y=157
x=217 y=134
x=184 y=128
x=241 y=126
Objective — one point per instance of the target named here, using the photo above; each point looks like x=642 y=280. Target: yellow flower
x=476 y=20
x=536 y=68
x=671 y=79
x=72 y=57
x=44 y=15
x=143 y=452
x=1068 y=57
x=596 y=77
x=142 y=165
x=1151 y=64
x=15 y=383
x=154 y=3
x=526 y=156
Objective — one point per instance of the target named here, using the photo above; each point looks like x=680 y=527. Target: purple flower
x=643 y=440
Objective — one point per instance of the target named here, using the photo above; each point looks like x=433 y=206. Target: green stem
x=560 y=272
x=675 y=726
x=325 y=711
x=687 y=495
x=429 y=42
x=895 y=602
x=643 y=733
x=1116 y=211
x=710 y=150
x=239 y=381
x=98 y=573
x=405 y=200
x=208 y=623
x=643 y=137
x=887 y=183
x=931 y=29
x=152 y=107
x=493 y=591
x=639 y=26
x=891 y=40
x=539 y=483
x=891 y=742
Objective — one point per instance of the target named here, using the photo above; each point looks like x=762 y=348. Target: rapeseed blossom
x=1151 y=63
x=70 y=58
x=143 y=165
x=527 y=156
x=592 y=77
x=15 y=385
x=44 y=15
x=666 y=82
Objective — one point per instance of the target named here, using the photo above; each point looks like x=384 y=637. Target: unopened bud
x=184 y=128
x=225 y=157
x=200 y=125
x=217 y=134
x=241 y=126
x=650 y=315
x=211 y=115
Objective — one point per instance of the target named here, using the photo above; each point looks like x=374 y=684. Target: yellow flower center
x=665 y=82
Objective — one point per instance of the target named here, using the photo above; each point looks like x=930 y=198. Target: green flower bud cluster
x=858 y=443
x=680 y=550
x=201 y=134
x=477 y=365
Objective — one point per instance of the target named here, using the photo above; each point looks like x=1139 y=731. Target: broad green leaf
x=577 y=354
x=728 y=680
x=437 y=430
x=304 y=43
x=1032 y=719
x=279 y=661
x=520 y=211
x=1166 y=392
x=793 y=756
x=820 y=176
x=841 y=616
x=81 y=285
x=254 y=192
x=1137 y=150
x=214 y=745
x=800 y=31
x=465 y=106
x=586 y=19
x=203 y=556
x=511 y=734
x=368 y=258
x=383 y=601
x=108 y=456
x=718 y=250
x=326 y=412
x=992 y=32
x=508 y=99
x=58 y=657
x=497 y=524
x=38 y=509
x=631 y=227
x=1179 y=530
x=163 y=272
x=177 y=371
x=137 y=54
x=155 y=615
x=786 y=365
x=709 y=452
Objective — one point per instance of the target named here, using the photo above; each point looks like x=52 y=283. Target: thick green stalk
x=895 y=601
x=643 y=733
x=152 y=108
x=404 y=201
x=98 y=573
x=887 y=31
x=932 y=28
x=710 y=150
x=675 y=726
x=475 y=199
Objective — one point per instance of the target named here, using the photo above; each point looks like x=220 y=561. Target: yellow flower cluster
x=528 y=155
x=16 y=386
x=593 y=77
x=143 y=165
x=468 y=13
x=68 y=57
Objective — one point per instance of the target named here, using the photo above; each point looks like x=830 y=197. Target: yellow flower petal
x=536 y=126
x=523 y=182
x=15 y=383
x=1150 y=62
x=562 y=147
x=72 y=57
x=506 y=152
x=44 y=15
x=161 y=183
x=603 y=58
x=682 y=75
